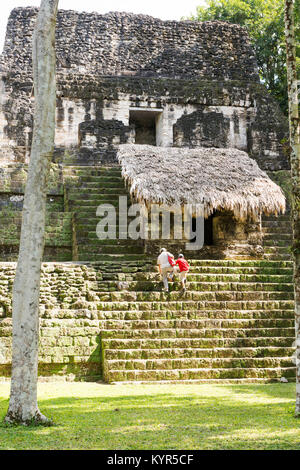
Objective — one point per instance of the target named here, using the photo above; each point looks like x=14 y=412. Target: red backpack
x=171 y=261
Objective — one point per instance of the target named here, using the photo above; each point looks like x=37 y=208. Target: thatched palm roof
x=219 y=179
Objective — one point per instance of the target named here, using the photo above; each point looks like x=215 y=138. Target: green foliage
x=170 y=416
x=264 y=20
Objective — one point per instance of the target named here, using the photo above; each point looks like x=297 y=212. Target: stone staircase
x=87 y=188
x=111 y=321
x=277 y=236
x=235 y=322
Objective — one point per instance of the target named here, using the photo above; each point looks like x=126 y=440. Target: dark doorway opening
x=145 y=123
x=208 y=230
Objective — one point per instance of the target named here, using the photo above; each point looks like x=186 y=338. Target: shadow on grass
x=161 y=421
x=278 y=390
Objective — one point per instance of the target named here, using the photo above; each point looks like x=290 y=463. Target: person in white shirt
x=165 y=267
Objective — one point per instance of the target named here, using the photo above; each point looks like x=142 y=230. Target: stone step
x=119 y=264
x=83 y=183
x=93 y=196
x=192 y=296
x=278 y=233
x=77 y=175
x=91 y=192
x=241 y=263
x=74 y=183
x=180 y=353
x=276 y=243
x=285 y=216
x=276 y=249
x=89 y=232
x=283 y=227
x=88 y=224
x=196 y=343
x=273 y=240
x=277 y=236
x=88 y=243
x=282 y=235
x=64 y=312
x=85 y=175
x=105 y=180
x=91 y=235
x=101 y=168
x=88 y=211
x=95 y=169
x=277 y=227
x=199 y=286
x=238 y=270
x=275 y=255
x=201 y=277
x=101 y=257
x=198 y=363
x=194 y=324
x=226 y=270
x=268 y=268
x=276 y=223
x=171 y=305
x=197 y=333
x=272 y=256
x=234 y=266
x=161 y=327
x=93 y=203
x=278 y=257
x=198 y=374
x=92 y=251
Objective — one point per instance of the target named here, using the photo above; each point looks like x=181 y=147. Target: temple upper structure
x=125 y=78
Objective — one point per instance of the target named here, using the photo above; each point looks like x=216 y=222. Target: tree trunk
x=23 y=406
x=295 y=172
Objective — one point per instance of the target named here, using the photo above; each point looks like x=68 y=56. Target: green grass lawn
x=99 y=416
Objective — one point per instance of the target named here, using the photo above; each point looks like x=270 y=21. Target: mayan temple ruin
x=157 y=112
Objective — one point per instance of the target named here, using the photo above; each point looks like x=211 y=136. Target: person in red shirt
x=184 y=268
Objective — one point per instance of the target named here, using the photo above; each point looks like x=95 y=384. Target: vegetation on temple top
x=264 y=20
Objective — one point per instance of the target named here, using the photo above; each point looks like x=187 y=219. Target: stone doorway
x=208 y=230
x=146 y=122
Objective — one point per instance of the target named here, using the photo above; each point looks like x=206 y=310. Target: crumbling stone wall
x=105 y=136
x=69 y=321
x=73 y=312
x=128 y=44
x=259 y=129
x=58 y=236
x=203 y=129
